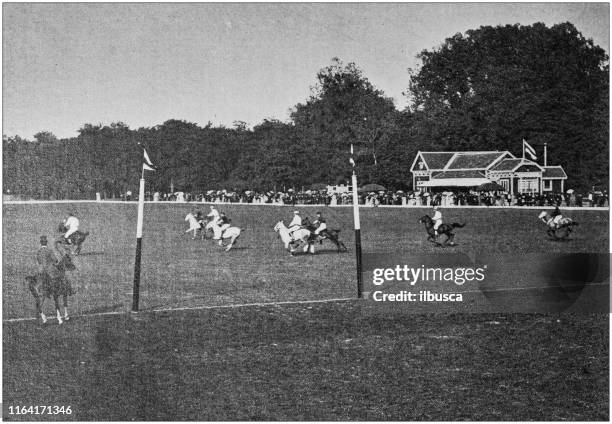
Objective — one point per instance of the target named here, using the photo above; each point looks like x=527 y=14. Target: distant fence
x=134 y=202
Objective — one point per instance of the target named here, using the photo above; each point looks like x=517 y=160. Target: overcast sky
x=65 y=65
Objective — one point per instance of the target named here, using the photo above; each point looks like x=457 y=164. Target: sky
x=65 y=65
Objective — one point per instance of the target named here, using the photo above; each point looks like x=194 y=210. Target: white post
x=545 y=155
x=141 y=195
x=136 y=290
x=355 y=203
x=357 y=236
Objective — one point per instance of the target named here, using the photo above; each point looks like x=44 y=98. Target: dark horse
x=446 y=229
x=331 y=235
x=52 y=285
x=77 y=238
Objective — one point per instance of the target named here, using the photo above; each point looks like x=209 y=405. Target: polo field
x=244 y=334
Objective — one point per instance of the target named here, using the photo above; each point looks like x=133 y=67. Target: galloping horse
x=52 y=286
x=231 y=233
x=446 y=229
x=77 y=238
x=302 y=235
x=559 y=231
x=331 y=235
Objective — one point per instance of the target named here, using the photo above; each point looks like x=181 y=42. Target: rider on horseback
x=46 y=260
x=225 y=222
x=320 y=225
x=71 y=224
x=296 y=223
x=555 y=218
x=214 y=214
x=437 y=218
x=199 y=218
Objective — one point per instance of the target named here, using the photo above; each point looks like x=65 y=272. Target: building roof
x=459 y=174
x=473 y=160
x=507 y=165
x=436 y=160
x=514 y=164
x=554 y=172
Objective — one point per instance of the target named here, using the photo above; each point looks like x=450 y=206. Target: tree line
x=486 y=89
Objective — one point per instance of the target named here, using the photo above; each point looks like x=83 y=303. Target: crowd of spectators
x=399 y=198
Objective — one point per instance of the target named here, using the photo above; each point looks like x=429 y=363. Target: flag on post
x=529 y=150
x=351 y=160
x=147 y=165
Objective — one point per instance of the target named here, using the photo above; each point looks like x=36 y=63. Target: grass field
x=316 y=361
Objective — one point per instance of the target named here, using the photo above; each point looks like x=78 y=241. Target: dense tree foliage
x=495 y=86
x=486 y=89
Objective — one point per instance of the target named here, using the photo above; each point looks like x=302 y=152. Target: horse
x=77 y=238
x=301 y=235
x=331 y=235
x=231 y=233
x=53 y=286
x=559 y=231
x=446 y=229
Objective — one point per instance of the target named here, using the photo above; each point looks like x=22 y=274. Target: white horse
x=231 y=233
x=301 y=235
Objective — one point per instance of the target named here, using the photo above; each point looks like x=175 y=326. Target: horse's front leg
x=40 y=301
x=65 y=299
x=57 y=309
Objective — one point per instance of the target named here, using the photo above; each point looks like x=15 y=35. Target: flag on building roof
x=529 y=150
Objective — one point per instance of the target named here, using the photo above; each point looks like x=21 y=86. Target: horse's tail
x=457 y=225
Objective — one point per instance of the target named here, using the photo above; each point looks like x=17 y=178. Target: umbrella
x=372 y=187
x=318 y=186
x=491 y=186
x=570 y=191
x=399 y=192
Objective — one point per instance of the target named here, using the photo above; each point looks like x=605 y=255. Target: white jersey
x=437 y=216
x=297 y=220
x=72 y=223
x=214 y=214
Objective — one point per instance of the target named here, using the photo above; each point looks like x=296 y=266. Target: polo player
x=214 y=214
x=225 y=222
x=296 y=223
x=320 y=224
x=555 y=218
x=47 y=270
x=72 y=226
x=437 y=219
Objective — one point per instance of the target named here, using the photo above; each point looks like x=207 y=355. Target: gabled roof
x=554 y=172
x=512 y=165
x=473 y=160
x=507 y=165
x=459 y=174
x=436 y=160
